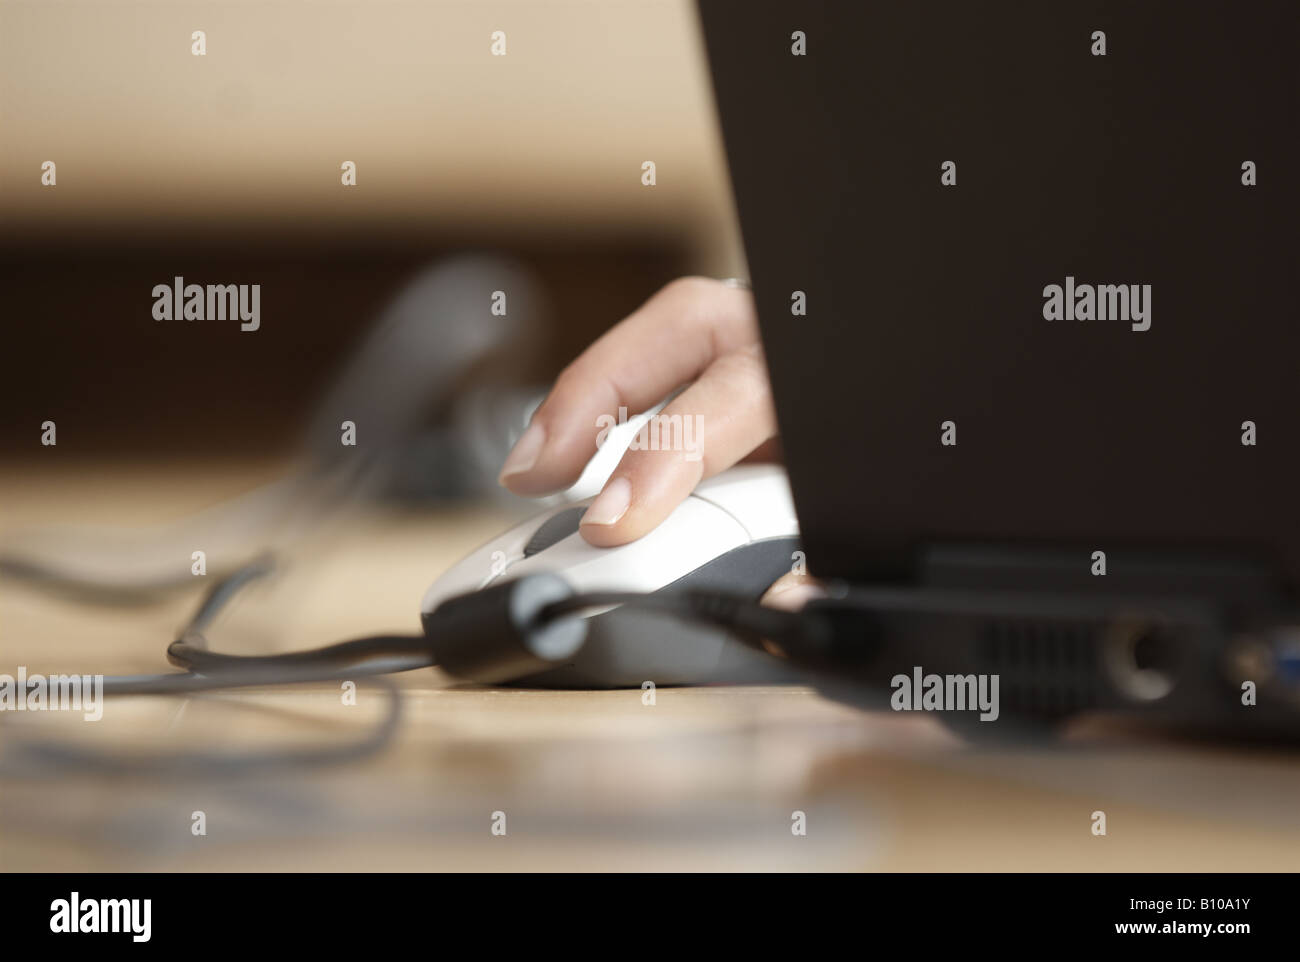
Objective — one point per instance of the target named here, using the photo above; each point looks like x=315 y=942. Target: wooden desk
x=707 y=778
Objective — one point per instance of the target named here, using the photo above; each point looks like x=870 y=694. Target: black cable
x=800 y=636
x=187 y=653
x=774 y=631
x=253 y=676
x=207 y=670
x=213 y=671
x=492 y=635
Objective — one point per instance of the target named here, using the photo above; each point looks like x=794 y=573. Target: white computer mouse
x=736 y=532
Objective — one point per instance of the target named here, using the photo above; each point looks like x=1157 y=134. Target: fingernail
x=524 y=454
x=611 y=504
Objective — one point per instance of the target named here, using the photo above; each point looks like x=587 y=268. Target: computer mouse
x=736 y=532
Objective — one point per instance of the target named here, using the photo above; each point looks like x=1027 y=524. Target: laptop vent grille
x=1045 y=667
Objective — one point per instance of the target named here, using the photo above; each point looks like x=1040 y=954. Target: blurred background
x=225 y=168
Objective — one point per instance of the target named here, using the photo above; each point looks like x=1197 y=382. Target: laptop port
x=1140 y=656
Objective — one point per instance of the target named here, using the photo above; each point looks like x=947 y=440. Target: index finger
x=666 y=342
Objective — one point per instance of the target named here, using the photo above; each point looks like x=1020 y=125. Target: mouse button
x=485 y=564
x=758 y=497
x=694 y=534
x=555 y=528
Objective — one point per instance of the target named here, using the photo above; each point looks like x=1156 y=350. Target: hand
x=693 y=330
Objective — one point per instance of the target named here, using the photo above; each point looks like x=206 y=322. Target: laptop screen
x=1024 y=272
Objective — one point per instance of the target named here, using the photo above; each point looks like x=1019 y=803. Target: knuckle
x=689 y=285
x=742 y=371
x=569 y=381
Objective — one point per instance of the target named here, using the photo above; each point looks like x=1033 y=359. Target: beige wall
x=548 y=139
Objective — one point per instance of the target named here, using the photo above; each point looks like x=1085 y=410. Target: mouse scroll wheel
x=555 y=528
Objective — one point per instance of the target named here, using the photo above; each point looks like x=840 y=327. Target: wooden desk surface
x=706 y=778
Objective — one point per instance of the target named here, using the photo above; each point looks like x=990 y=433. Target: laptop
x=1025 y=276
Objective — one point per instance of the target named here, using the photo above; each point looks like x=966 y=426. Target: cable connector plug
x=500 y=633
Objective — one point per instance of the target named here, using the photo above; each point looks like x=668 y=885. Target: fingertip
x=528 y=485
x=600 y=525
x=523 y=457
x=540 y=463
x=601 y=536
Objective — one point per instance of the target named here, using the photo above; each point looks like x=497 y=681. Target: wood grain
x=706 y=778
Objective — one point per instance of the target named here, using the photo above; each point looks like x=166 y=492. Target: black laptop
x=1026 y=277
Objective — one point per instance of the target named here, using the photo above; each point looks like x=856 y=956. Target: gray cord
x=214 y=671
x=30 y=756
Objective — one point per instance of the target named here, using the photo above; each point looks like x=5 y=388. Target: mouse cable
x=501 y=633
x=207 y=670
x=505 y=627
x=801 y=635
x=515 y=629
x=212 y=671
x=506 y=630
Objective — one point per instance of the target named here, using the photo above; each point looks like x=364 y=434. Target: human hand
x=694 y=330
